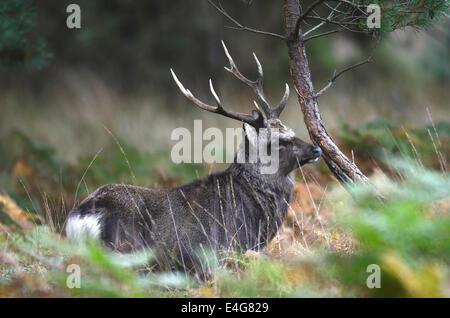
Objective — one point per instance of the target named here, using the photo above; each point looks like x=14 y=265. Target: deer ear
x=251 y=134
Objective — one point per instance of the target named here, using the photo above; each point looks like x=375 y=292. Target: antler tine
x=234 y=70
x=252 y=120
x=255 y=85
x=258 y=64
x=256 y=105
x=277 y=110
x=191 y=97
x=213 y=92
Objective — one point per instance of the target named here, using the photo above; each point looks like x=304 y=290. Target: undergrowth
x=324 y=249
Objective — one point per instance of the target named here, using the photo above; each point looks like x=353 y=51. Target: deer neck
x=261 y=204
x=252 y=173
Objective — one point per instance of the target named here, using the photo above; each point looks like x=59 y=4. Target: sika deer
x=239 y=208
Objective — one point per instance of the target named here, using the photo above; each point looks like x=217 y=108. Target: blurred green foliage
x=103 y=273
x=413 y=13
x=435 y=61
x=407 y=236
x=382 y=138
x=17 y=18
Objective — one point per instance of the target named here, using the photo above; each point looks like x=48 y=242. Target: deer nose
x=317 y=152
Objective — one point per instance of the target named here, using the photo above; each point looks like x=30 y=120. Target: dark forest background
x=114 y=71
x=131 y=45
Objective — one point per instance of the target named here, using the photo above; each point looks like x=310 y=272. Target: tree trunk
x=341 y=166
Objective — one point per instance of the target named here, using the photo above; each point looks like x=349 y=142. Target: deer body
x=239 y=208
x=233 y=209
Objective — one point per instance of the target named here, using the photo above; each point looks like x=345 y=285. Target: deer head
x=264 y=121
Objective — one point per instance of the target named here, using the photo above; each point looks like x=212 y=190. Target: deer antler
x=257 y=86
x=256 y=119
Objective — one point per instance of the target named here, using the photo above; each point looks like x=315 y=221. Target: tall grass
x=407 y=236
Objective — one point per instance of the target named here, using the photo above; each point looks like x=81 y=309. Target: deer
x=237 y=209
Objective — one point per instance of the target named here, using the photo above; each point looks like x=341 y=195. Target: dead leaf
x=21 y=168
x=301 y=200
x=19 y=216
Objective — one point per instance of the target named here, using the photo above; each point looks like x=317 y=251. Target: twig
x=321 y=34
x=321 y=23
x=335 y=8
x=240 y=26
x=303 y=16
x=343 y=24
x=348 y=68
x=336 y=75
x=326 y=20
x=355 y=5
